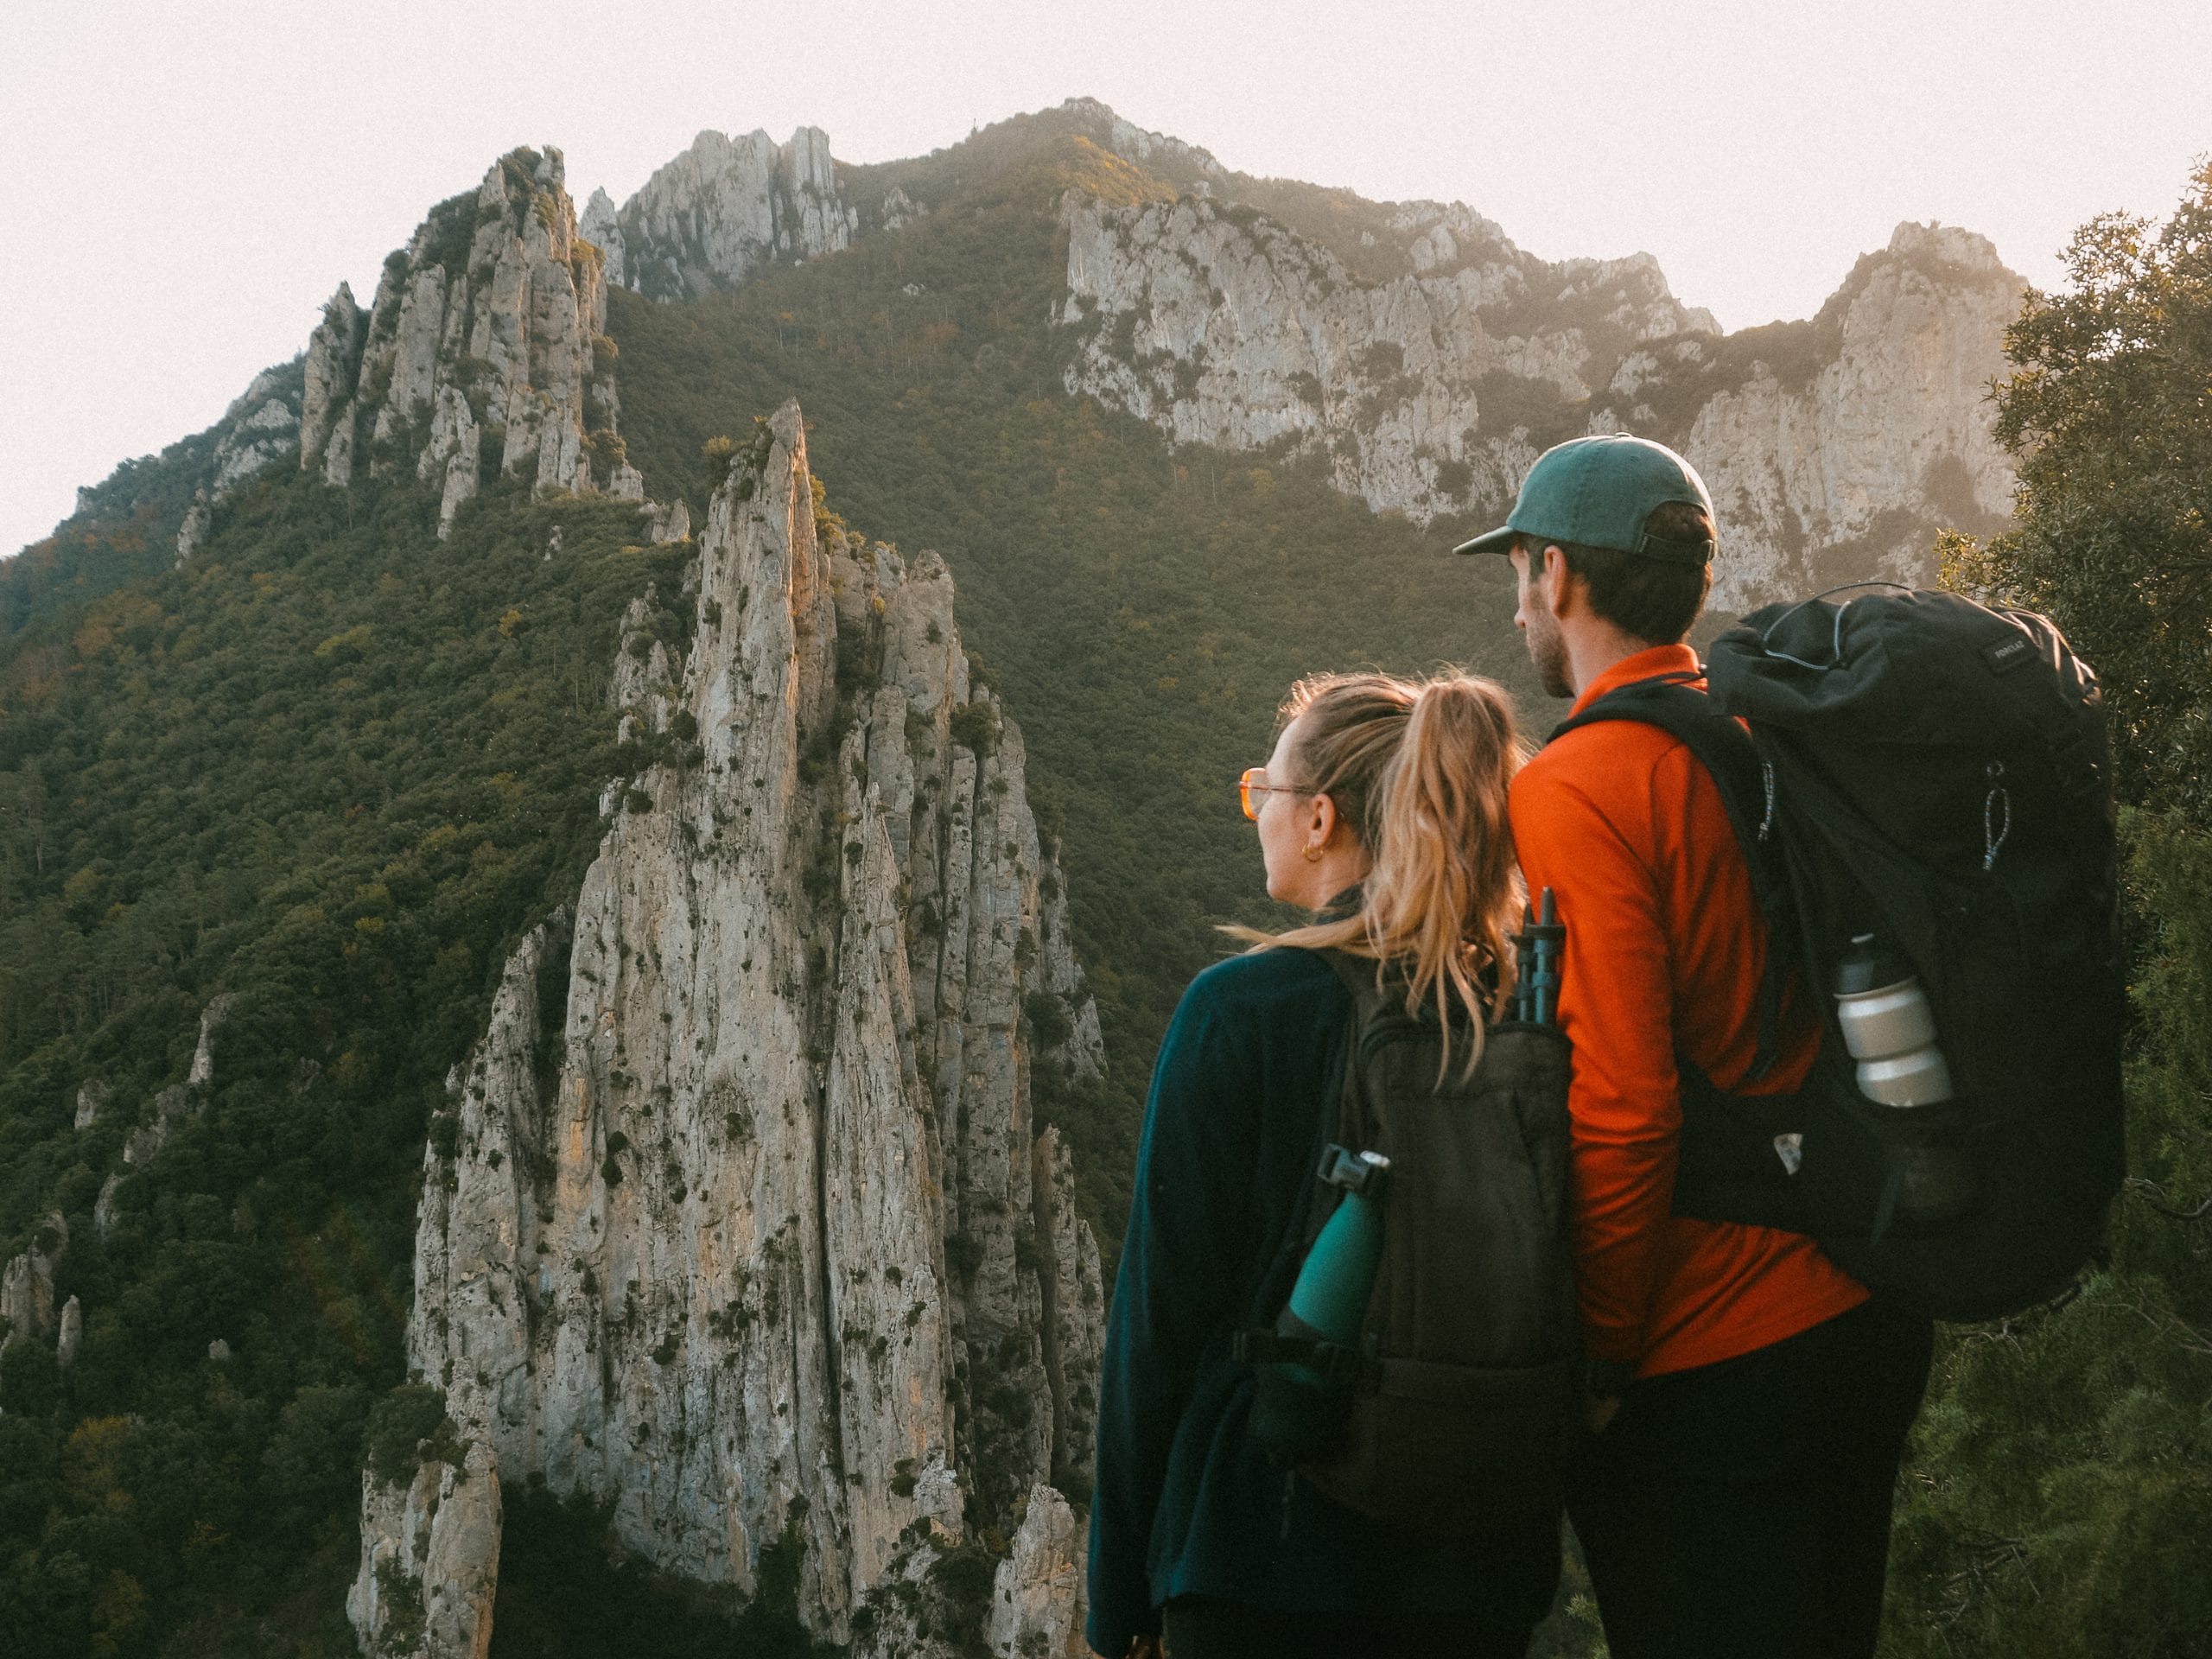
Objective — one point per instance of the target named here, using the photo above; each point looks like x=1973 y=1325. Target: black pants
x=1201 y=1627
x=1743 y=1509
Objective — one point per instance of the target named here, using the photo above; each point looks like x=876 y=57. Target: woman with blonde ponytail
x=1381 y=810
x=1441 y=888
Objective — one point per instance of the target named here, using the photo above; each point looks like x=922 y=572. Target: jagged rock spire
x=481 y=352
x=767 y=1251
x=722 y=210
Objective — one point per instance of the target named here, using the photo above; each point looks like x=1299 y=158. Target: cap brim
x=1498 y=540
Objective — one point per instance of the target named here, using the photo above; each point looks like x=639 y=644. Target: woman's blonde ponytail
x=1420 y=771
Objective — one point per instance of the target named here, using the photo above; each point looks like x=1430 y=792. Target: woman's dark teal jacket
x=1185 y=1504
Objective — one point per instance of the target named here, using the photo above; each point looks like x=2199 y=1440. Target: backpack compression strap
x=1308 y=1216
x=1746 y=784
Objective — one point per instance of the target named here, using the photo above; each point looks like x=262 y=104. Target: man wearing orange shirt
x=1751 y=1401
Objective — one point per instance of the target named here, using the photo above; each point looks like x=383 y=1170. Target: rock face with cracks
x=483 y=353
x=737 y=1218
x=1841 y=467
x=1834 y=447
x=723 y=211
x=1225 y=327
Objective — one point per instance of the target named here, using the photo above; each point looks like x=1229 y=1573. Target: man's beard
x=1548 y=651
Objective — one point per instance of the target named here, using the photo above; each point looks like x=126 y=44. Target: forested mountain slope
x=329 y=1008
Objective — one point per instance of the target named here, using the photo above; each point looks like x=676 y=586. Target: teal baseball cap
x=1599 y=492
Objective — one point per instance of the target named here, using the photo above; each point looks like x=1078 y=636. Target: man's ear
x=1554 y=582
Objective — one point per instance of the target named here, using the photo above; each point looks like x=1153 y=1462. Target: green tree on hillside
x=2060 y=1493
x=2109 y=414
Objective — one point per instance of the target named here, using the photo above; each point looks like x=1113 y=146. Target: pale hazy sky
x=183 y=183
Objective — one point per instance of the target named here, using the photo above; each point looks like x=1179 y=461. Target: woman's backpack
x=1916 y=767
x=1454 y=1410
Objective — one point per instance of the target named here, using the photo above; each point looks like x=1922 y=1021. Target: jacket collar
x=1658 y=659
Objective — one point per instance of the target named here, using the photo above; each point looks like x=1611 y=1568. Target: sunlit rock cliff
x=482 y=354
x=721 y=211
x=736 y=1219
x=1835 y=447
x=1411 y=347
x=1225 y=327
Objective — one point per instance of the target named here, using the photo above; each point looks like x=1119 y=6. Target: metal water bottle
x=1890 y=1030
x=1329 y=1302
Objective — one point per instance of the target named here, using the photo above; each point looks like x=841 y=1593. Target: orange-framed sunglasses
x=1253 y=781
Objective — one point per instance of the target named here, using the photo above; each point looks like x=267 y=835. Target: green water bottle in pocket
x=1303 y=1395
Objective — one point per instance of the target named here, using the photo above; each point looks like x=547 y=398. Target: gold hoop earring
x=1312 y=854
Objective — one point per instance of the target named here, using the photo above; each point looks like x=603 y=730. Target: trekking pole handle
x=1547 y=937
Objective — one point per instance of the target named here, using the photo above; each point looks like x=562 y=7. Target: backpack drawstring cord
x=1994 y=830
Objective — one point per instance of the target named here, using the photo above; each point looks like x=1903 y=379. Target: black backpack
x=1454 y=1413
x=1934 y=774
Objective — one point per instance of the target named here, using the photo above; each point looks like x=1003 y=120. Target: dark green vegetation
x=2060 y=1495
x=334 y=768
x=1142 y=611
x=561 y=1597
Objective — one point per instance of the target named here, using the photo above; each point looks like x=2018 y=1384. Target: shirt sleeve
x=1616 y=1006
x=1174 y=1293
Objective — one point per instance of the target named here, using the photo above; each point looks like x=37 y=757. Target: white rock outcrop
x=260 y=428
x=430 y=1564
x=1432 y=392
x=332 y=369
x=599 y=225
x=722 y=212
x=198 y=517
x=749 y=1231
x=72 y=1333
x=26 y=1285
x=1844 y=475
x=482 y=354
x=1223 y=327
x=165 y=1113
x=1037 y=1596
x=92 y=1101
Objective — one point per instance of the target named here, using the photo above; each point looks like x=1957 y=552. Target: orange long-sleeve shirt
x=1664 y=946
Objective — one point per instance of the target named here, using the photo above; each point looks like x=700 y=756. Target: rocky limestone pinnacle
x=724 y=210
x=770 y=1251
x=599 y=226
x=198 y=519
x=92 y=1099
x=483 y=353
x=26 y=1285
x=429 y=1559
x=1037 y=1598
x=1840 y=470
x=333 y=371
x=162 y=1116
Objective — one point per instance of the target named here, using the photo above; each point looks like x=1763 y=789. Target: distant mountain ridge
x=1428 y=357
x=1412 y=344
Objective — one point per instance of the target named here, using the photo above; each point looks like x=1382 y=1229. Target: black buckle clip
x=1356 y=1171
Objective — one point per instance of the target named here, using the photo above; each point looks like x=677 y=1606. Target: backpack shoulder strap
x=1745 y=780
x=1358 y=975
x=1308 y=1214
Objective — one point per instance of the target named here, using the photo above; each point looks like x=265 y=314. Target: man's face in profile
x=1533 y=616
